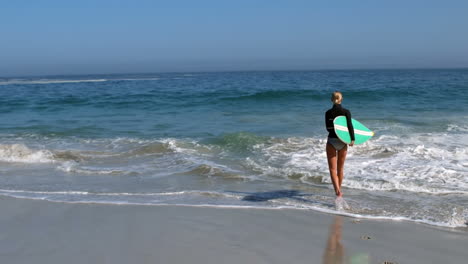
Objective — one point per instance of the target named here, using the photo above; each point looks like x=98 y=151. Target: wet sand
x=47 y=232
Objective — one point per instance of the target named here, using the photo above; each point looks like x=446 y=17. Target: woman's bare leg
x=332 y=166
x=341 y=160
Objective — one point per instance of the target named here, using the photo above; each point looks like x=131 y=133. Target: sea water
x=240 y=139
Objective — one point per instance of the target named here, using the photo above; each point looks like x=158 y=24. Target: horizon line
x=239 y=71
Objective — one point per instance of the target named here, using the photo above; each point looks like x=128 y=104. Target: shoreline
x=332 y=212
x=37 y=231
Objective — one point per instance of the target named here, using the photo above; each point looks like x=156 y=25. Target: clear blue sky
x=128 y=36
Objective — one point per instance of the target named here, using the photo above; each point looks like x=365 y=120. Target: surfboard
x=361 y=132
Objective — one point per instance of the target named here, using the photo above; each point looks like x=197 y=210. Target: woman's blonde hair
x=336 y=97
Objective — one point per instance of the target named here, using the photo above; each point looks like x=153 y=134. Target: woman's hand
x=352 y=143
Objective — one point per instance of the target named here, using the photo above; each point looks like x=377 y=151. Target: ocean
x=241 y=140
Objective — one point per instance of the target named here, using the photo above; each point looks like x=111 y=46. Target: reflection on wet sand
x=334 y=251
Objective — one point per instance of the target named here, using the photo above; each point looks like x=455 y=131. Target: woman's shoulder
x=329 y=111
x=346 y=110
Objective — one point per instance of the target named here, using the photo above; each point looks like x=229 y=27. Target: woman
x=336 y=149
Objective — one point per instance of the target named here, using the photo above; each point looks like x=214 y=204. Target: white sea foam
x=48 y=81
x=293 y=155
x=58 y=81
x=415 y=166
x=73 y=167
x=157 y=157
x=137 y=79
x=22 y=154
x=457 y=128
x=84 y=193
x=418 y=164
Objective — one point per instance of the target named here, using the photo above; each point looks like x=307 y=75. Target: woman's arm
x=350 y=127
x=328 y=122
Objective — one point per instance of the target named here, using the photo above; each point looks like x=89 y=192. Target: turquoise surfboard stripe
x=361 y=132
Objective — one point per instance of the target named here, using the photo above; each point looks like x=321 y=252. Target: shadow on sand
x=279 y=194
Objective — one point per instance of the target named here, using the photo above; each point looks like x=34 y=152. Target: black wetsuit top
x=331 y=114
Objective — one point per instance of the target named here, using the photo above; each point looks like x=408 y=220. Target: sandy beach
x=36 y=231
